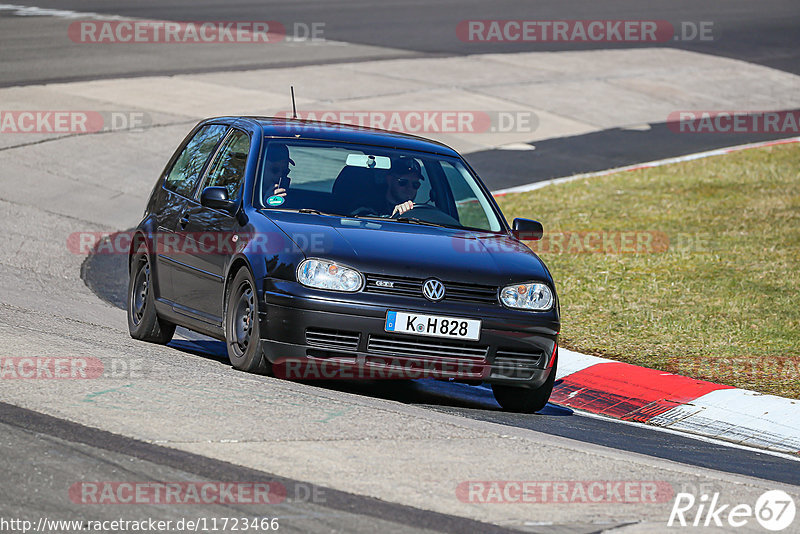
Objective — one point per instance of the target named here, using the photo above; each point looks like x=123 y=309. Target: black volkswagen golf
x=319 y=250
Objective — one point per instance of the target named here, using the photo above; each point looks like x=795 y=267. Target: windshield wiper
x=317 y=212
x=410 y=220
x=414 y=220
x=305 y=210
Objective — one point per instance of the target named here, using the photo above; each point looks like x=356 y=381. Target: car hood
x=411 y=250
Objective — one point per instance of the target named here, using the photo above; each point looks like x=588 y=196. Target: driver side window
x=228 y=168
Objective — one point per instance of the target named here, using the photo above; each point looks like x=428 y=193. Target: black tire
x=143 y=321
x=524 y=400
x=242 y=332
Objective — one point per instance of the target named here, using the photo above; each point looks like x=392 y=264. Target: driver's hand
x=279 y=191
x=402 y=208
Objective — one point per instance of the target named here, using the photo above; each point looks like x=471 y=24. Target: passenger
x=276 y=170
x=402 y=184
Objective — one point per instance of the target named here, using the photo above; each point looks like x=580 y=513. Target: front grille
x=335 y=339
x=408 y=287
x=512 y=363
x=415 y=348
x=412 y=287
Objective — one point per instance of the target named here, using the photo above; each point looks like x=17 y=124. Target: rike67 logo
x=774 y=511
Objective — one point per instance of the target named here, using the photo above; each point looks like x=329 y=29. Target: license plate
x=433 y=325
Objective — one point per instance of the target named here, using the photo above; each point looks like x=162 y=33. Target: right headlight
x=325 y=274
x=533 y=296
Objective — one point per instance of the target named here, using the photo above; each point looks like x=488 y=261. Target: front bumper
x=314 y=334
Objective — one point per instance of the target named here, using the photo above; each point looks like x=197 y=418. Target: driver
x=276 y=170
x=402 y=184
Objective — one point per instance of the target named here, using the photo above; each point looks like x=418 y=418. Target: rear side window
x=186 y=169
x=227 y=169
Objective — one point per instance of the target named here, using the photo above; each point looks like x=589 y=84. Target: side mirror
x=217 y=198
x=527 y=230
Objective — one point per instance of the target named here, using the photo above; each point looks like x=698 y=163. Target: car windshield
x=366 y=181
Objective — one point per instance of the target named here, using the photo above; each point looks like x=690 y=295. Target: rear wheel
x=242 y=333
x=143 y=321
x=524 y=400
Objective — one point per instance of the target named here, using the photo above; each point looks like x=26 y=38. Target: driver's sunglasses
x=402 y=182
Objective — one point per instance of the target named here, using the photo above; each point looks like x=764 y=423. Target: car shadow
x=428 y=392
x=105 y=270
x=207 y=348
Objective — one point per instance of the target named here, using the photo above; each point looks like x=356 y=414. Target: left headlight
x=532 y=296
x=324 y=274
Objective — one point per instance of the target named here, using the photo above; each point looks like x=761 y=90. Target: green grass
x=719 y=302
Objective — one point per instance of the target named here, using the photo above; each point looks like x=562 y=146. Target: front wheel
x=523 y=400
x=242 y=333
x=143 y=321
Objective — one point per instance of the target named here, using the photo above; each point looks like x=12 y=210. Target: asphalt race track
x=350 y=457
x=766 y=35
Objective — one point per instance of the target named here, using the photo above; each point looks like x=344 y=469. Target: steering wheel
x=432 y=214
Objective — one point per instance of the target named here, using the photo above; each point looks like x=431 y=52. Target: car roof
x=331 y=131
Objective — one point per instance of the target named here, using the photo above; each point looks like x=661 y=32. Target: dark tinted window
x=186 y=170
x=227 y=169
x=350 y=180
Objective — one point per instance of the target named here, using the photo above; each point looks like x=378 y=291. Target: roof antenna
x=294 y=107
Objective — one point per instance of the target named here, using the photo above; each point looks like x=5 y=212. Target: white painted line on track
x=32 y=11
x=687 y=434
x=683 y=433
x=657 y=163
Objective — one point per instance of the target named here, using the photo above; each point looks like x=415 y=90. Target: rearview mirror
x=217 y=198
x=527 y=230
x=368 y=161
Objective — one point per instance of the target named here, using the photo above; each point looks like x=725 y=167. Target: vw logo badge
x=433 y=289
